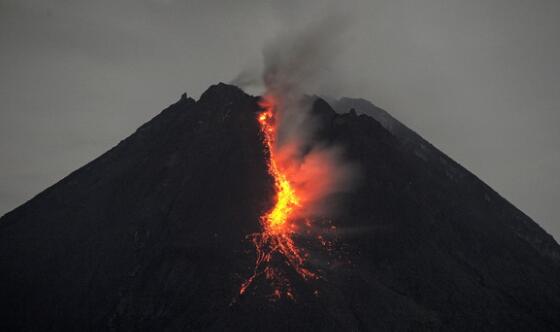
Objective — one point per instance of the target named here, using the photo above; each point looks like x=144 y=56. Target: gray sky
x=480 y=79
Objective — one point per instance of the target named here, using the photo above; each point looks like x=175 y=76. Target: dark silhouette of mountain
x=413 y=143
x=151 y=236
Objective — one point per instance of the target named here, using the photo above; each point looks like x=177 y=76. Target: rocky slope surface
x=151 y=236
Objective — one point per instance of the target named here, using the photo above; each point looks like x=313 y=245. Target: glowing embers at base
x=275 y=244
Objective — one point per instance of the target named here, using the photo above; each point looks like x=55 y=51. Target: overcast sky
x=480 y=79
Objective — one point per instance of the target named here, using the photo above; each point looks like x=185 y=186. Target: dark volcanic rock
x=151 y=236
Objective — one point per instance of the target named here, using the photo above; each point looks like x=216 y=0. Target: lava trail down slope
x=153 y=236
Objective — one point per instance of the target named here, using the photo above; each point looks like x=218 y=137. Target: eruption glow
x=276 y=221
x=307 y=170
x=276 y=239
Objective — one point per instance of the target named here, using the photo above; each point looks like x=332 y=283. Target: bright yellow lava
x=286 y=200
x=277 y=228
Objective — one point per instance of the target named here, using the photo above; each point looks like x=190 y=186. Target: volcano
x=155 y=235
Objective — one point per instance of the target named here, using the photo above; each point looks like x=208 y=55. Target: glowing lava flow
x=276 y=220
x=276 y=239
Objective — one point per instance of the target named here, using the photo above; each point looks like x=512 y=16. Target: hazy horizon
x=479 y=80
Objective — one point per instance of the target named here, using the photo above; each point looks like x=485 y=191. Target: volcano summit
x=156 y=235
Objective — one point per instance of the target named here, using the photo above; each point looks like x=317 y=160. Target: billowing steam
x=296 y=64
x=305 y=170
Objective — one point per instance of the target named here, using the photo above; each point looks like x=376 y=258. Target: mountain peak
x=155 y=234
x=222 y=92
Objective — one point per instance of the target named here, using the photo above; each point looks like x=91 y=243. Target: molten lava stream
x=276 y=237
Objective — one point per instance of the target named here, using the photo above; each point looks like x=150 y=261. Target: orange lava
x=276 y=220
x=276 y=238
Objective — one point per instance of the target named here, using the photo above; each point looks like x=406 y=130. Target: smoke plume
x=296 y=64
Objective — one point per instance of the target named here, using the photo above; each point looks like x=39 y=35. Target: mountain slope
x=152 y=236
x=413 y=143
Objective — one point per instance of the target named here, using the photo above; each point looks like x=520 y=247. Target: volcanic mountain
x=154 y=235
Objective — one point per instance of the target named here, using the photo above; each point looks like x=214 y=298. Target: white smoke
x=298 y=63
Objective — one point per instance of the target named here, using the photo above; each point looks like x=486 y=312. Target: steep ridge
x=152 y=236
x=413 y=143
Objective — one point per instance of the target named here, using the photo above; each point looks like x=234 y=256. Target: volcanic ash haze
x=296 y=64
x=306 y=168
x=151 y=236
